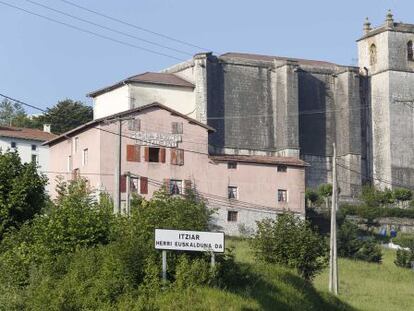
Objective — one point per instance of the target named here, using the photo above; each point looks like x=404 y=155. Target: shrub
x=369 y=251
x=402 y=194
x=404 y=258
x=290 y=241
x=311 y=196
x=351 y=245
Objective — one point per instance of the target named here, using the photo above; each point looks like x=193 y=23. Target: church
x=281 y=106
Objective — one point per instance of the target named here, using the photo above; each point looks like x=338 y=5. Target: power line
x=107 y=28
x=133 y=25
x=21 y=102
x=90 y=32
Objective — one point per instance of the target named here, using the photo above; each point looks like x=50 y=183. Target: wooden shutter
x=162 y=155
x=167 y=184
x=173 y=156
x=146 y=154
x=180 y=157
x=187 y=184
x=143 y=185
x=133 y=153
x=123 y=183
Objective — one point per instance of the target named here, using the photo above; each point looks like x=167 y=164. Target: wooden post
x=164 y=265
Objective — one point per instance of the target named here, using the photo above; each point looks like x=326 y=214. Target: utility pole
x=117 y=188
x=333 y=259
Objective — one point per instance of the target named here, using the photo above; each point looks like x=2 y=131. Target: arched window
x=372 y=54
x=410 y=50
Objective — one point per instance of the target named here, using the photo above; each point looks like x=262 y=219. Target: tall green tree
x=66 y=115
x=22 y=191
x=11 y=113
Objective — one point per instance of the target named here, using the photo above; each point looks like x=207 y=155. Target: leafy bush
x=290 y=241
x=22 y=191
x=402 y=194
x=372 y=213
x=311 y=196
x=325 y=190
x=351 y=245
x=369 y=251
x=404 y=258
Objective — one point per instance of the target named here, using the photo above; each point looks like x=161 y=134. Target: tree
x=22 y=191
x=66 y=115
x=10 y=112
x=291 y=241
x=325 y=191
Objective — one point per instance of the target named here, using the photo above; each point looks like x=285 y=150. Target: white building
x=28 y=143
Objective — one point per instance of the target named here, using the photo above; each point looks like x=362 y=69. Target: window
x=134 y=125
x=410 y=50
x=34 y=147
x=76 y=143
x=232 y=216
x=282 y=195
x=177 y=156
x=176 y=186
x=85 y=157
x=372 y=54
x=282 y=168
x=231 y=165
x=34 y=158
x=177 y=127
x=133 y=153
x=232 y=192
x=153 y=154
x=13 y=144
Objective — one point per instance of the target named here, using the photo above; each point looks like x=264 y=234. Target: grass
x=362 y=286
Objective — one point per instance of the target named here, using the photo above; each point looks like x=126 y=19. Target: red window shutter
x=123 y=183
x=130 y=153
x=144 y=185
x=173 y=156
x=146 y=154
x=162 y=155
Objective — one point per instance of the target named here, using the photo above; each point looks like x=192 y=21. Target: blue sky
x=42 y=62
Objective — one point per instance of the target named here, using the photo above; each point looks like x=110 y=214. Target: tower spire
x=367 y=26
x=389 y=20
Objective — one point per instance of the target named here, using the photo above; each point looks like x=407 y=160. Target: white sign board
x=196 y=241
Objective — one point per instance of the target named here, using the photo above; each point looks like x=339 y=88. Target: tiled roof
x=25 y=133
x=95 y=122
x=150 y=78
x=269 y=58
x=290 y=161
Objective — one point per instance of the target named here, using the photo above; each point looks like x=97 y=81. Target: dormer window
x=372 y=54
x=410 y=50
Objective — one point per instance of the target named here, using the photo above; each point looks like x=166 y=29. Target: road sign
x=196 y=241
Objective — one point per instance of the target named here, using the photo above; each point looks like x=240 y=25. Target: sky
x=42 y=62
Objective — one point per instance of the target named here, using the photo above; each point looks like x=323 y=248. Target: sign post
x=184 y=240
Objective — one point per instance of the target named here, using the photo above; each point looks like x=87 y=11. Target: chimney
x=46 y=128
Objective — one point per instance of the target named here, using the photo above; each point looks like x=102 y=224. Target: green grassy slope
x=368 y=286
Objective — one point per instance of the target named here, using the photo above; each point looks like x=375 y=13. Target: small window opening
x=232 y=165
x=154 y=154
x=282 y=195
x=282 y=168
x=372 y=54
x=34 y=147
x=232 y=192
x=177 y=128
x=34 y=158
x=232 y=216
x=410 y=50
x=176 y=186
x=13 y=144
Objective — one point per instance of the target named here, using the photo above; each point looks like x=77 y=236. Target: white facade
x=27 y=149
x=134 y=95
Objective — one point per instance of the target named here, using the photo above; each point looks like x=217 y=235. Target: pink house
x=161 y=146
